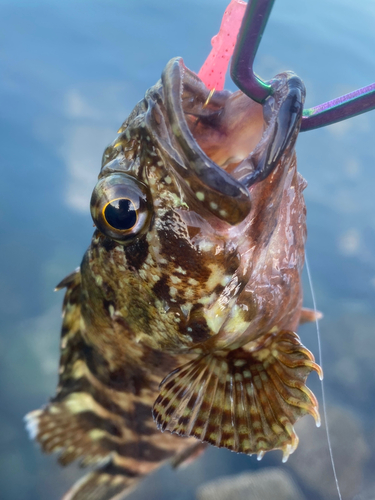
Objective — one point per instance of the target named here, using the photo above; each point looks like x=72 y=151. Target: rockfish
x=183 y=313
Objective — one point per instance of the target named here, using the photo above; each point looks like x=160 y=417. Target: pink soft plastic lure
x=214 y=69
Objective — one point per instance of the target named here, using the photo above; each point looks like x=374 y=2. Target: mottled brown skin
x=216 y=271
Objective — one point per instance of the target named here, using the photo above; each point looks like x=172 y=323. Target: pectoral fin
x=309 y=315
x=241 y=400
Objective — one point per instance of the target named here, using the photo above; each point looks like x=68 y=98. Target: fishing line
x=322 y=383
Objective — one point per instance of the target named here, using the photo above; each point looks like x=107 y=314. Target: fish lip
x=173 y=78
x=195 y=167
x=280 y=135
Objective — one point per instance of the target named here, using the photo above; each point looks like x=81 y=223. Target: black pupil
x=121 y=214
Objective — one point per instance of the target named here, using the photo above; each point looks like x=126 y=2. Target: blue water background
x=70 y=73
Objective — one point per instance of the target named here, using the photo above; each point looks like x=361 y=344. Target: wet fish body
x=192 y=279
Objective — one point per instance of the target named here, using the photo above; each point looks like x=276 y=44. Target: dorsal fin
x=102 y=425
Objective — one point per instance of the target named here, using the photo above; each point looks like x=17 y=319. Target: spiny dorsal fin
x=242 y=400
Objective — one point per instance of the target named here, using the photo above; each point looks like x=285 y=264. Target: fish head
x=170 y=209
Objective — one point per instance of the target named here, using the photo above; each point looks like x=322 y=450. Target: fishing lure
x=192 y=280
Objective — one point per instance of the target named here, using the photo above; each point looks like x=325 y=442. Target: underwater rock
x=266 y=484
x=312 y=463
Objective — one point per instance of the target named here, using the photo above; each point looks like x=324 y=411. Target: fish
x=179 y=326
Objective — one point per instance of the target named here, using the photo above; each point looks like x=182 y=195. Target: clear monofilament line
x=322 y=383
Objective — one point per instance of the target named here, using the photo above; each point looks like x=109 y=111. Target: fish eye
x=121 y=207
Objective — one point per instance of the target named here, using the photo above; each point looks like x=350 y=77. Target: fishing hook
x=242 y=73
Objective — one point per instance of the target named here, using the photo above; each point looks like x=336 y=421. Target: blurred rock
x=311 y=461
x=351 y=348
x=267 y=484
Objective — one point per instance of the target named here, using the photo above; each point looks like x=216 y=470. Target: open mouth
x=242 y=137
x=226 y=126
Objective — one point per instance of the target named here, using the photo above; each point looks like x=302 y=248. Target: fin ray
x=110 y=482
